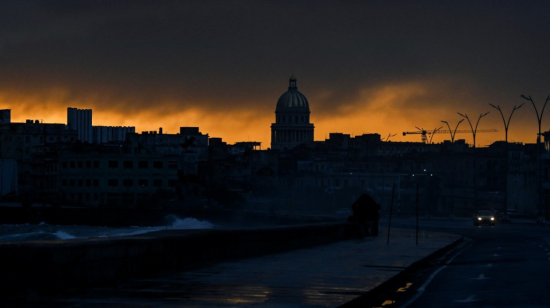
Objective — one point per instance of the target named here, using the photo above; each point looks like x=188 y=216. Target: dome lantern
x=292 y=98
x=292 y=83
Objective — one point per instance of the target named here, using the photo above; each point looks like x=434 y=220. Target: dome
x=292 y=98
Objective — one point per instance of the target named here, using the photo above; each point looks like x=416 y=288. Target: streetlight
x=433 y=133
x=473 y=130
x=506 y=125
x=539 y=119
x=465 y=116
x=453 y=133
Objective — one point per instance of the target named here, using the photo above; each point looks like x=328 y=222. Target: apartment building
x=114 y=177
x=81 y=121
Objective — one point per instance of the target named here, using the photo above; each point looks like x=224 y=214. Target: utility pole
x=539 y=150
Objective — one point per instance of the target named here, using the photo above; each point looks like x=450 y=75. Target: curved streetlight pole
x=453 y=133
x=473 y=130
x=506 y=126
x=539 y=117
x=389 y=136
x=433 y=133
x=539 y=149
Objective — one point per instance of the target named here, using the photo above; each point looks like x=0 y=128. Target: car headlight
x=479 y=218
x=492 y=218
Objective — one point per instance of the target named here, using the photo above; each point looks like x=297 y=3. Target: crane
x=425 y=133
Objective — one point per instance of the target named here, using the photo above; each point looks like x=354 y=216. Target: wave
x=186 y=223
x=29 y=236
x=45 y=232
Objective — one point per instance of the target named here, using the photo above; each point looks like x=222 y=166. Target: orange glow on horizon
x=387 y=110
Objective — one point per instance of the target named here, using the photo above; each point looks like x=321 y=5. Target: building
x=81 y=121
x=114 y=176
x=8 y=177
x=292 y=127
x=5 y=116
x=106 y=134
x=189 y=140
x=23 y=142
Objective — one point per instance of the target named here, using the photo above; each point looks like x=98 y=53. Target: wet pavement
x=322 y=276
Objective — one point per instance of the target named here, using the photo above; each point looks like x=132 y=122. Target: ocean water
x=46 y=232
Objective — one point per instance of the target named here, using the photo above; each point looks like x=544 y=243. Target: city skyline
x=366 y=67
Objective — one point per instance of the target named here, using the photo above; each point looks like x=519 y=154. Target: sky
x=382 y=67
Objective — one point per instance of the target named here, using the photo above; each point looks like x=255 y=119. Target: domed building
x=291 y=127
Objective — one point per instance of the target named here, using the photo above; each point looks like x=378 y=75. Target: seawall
x=145 y=217
x=31 y=268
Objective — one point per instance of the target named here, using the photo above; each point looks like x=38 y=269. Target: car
x=484 y=217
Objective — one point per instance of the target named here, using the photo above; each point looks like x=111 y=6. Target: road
x=507 y=265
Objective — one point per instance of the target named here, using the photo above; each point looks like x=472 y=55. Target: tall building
x=291 y=127
x=81 y=121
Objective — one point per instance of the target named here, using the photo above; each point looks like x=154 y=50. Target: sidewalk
x=322 y=276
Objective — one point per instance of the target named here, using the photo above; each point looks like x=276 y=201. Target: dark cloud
x=238 y=55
